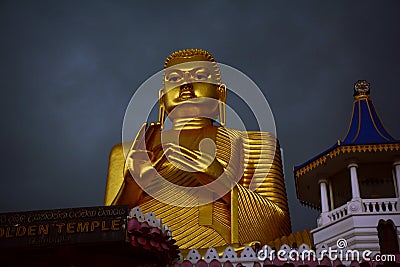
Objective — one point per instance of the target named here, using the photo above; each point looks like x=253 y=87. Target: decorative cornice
x=347 y=149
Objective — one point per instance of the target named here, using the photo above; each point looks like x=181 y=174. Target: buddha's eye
x=174 y=78
x=201 y=75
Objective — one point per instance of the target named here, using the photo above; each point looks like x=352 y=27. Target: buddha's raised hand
x=140 y=161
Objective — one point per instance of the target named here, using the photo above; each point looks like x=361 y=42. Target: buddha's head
x=191 y=79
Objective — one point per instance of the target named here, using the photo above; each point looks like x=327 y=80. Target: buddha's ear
x=221 y=103
x=222 y=92
x=161 y=108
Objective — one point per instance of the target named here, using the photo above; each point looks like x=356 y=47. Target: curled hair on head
x=188 y=53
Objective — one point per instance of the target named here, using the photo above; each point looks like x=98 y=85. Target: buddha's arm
x=262 y=193
x=259 y=218
x=258 y=153
x=263 y=170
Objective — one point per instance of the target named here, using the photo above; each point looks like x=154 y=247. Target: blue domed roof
x=366 y=141
x=365 y=125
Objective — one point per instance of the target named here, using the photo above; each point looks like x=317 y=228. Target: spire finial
x=361 y=88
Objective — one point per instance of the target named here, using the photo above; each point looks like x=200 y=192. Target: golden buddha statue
x=230 y=213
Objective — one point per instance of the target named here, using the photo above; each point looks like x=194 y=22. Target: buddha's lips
x=186 y=93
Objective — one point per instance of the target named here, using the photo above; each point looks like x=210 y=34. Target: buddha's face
x=191 y=85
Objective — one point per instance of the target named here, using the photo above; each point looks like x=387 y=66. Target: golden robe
x=259 y=215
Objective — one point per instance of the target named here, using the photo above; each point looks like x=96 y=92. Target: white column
x=331 y=195
x=355 y=190
x=397 y=174
x=324 y=195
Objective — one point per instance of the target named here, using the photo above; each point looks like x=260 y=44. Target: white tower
x=356 y=184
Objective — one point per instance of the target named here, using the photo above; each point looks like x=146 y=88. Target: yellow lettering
x=115 y=225
x=82 y=227
x=70 y=227
x=94 y=225
x=1 y=232
x=21 y=230
x=60 y=227
x=32 y=230
x=103 y=226
x=43 y=229
x=8 y=234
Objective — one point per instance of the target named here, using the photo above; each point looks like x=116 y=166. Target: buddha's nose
x=186 y=86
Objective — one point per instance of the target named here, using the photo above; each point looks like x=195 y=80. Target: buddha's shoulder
x=117 y=151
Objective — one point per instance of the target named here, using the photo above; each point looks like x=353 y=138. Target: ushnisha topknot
x=193 y=52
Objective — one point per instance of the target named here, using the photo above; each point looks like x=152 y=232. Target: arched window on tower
x=388 y=241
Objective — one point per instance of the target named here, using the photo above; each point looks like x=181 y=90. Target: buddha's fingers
x=147 y=172
x=180 y=155
x=139 y=142
x=138 y=154
x=159 y=162
x=152 y=131
x=177 y=149
x=201 y=157
x=182 y=163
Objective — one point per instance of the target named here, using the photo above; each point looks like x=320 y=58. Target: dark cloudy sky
x=68 y=70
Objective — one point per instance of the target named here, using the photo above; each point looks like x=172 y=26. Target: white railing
x=366 y=206
x=337 y=213
x=380 y=205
